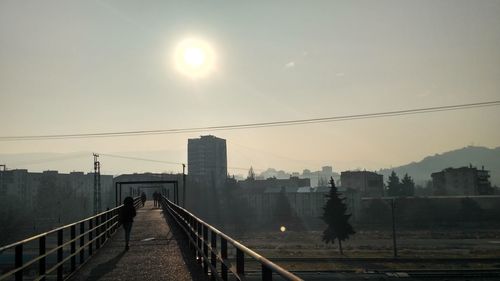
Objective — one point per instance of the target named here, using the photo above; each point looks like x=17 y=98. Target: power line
x=255 y=125
x=161 y=161
x=140 y=159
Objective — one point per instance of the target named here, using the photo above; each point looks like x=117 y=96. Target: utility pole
x=97 y=184
x=184 y=185
x=394 y=246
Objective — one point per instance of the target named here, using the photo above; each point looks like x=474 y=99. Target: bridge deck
x=156 y=253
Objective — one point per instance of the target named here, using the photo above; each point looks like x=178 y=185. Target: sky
x=106 y=66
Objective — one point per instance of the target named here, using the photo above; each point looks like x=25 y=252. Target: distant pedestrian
x=126 y=217
x=157 y=199
x=143 y=198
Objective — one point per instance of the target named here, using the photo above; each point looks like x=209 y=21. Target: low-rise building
x=30 y=187
x=462 y=181
x=368 y=184
x=306 y=202
x=259 y=184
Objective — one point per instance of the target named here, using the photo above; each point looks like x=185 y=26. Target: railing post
x=205 y=248
x=223 y=252
x=82 y=242
x=90 y=236
x=19 y=261
x=213 y=245
x=267 y=274
x=60 y=254
x=240 y=262
x=41 y=252
x=97 y=232
x=117 y=213
x=193 y=234
x=73 y=247
x=108 y=230
x=189 y=234
x=103 y=228
x=198 y=239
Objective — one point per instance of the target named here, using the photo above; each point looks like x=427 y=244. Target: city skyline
x=151 y=161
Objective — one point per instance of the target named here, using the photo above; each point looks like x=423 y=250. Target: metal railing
x=98 y=229
x=211 y=252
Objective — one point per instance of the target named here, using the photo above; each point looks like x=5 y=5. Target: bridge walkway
x=157 y=252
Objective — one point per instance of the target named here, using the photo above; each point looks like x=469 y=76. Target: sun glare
x=194 y=58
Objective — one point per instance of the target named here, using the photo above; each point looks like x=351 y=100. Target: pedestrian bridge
x=167 y=243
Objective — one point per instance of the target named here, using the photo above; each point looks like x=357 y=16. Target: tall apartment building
x=368 y=184
x=462 y=181
x=207 y=159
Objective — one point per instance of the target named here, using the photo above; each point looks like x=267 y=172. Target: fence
x=93 y=232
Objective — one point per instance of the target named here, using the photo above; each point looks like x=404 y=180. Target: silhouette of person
x=126 y=216
x=143 y=198
x=159 y=199
x=156 y=196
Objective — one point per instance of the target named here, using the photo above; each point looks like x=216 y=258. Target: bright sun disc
x=194 y=58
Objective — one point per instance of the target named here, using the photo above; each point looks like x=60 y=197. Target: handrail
x=100 y=227
x=197 y=231
x=32 y=238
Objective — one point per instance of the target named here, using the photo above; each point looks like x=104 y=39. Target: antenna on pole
x=97 y=184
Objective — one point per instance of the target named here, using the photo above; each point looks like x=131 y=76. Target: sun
x=194 y=58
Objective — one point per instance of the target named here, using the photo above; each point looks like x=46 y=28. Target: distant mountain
x=471 y=155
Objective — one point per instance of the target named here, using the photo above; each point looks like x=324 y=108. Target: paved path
x=156 y=253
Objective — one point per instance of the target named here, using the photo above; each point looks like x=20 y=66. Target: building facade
x=207 y=160
x=51 y=198
x=368 y=184
x=258 y=184
x=462 y=181
x=307 y=203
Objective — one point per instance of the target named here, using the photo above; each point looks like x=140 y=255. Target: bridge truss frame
x=118 y=188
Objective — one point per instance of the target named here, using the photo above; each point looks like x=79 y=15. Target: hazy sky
x=99 y=66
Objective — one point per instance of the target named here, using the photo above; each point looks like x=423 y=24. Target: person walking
x=157 y=199
x=126 y=217
x=143 y=198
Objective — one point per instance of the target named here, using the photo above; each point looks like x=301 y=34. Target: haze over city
x=111 y=66
x=249 y=140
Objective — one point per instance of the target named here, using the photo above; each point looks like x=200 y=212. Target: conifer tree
x=408 y=186
x=338 y=226
x=393 y=185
